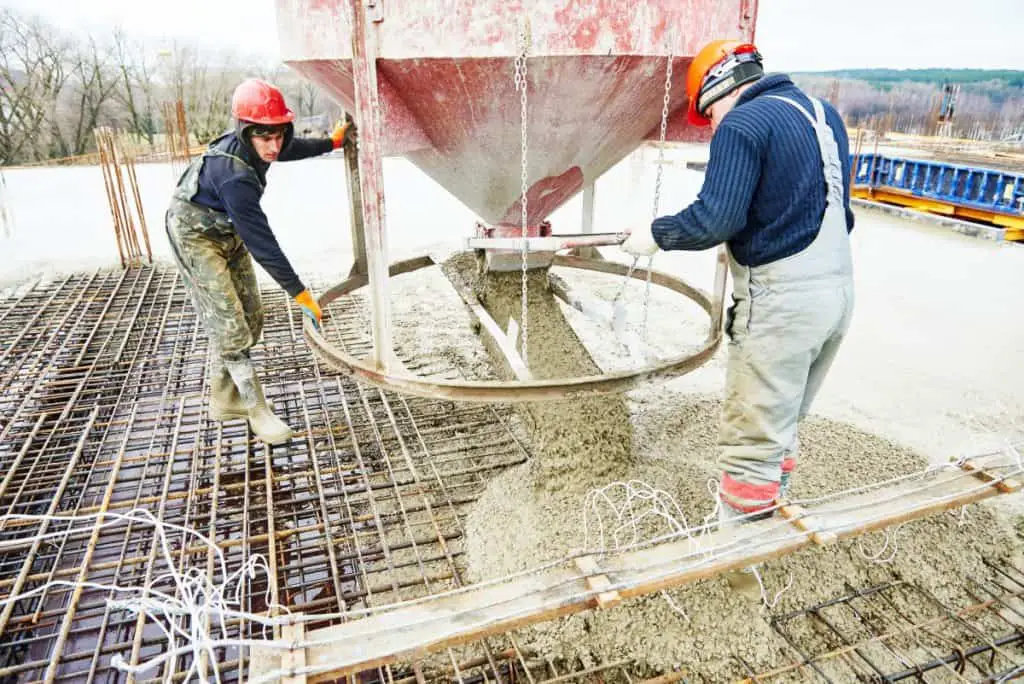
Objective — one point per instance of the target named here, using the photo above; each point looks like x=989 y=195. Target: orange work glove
x=310 y=308
x=344 y=132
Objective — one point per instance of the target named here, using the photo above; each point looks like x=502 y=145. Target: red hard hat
x=259 y=102
x=734 y=63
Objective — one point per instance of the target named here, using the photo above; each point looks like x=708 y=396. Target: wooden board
x=408 y=633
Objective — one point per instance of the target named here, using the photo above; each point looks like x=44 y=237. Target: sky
x=793 y=35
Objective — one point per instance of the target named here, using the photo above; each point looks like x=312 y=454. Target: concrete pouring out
x=595 y=431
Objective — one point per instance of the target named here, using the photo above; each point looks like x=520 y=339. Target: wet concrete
x=575 y=443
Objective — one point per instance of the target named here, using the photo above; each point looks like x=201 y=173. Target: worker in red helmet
x=777 y=193
x=215 y=222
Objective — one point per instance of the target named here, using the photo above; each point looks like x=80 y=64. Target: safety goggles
x=267 y=130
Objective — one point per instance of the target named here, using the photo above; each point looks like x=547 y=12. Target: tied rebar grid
x=897 y=631
x=103 y=404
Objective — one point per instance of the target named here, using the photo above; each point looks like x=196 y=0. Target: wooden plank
x=806 y=522
x=596 y=581
x=1007 y=486
x=886 y=507
x=410 y=632
x=294 y=660
x=398 y=635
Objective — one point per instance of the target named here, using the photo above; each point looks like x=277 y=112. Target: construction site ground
x=383 y=497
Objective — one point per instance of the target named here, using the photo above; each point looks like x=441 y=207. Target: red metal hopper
x=596 y=73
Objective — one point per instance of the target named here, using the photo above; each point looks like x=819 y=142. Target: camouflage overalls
x=217 y=270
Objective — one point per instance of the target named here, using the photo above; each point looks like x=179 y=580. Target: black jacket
x=230 y=187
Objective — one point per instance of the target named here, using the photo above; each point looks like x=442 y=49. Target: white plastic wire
x=206 y=604
x=888 y=541
x=766 y=603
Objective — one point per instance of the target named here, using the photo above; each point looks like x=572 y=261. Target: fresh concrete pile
x=534 y=513
x=521 y=522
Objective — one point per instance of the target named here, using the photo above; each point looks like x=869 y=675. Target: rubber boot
x=263 y=422
x=743 y=580
x=225 y=400
x=784 y=485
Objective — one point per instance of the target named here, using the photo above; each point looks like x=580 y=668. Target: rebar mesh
x=104 y=400
x=103 y=403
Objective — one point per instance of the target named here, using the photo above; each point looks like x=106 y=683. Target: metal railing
x=984 y=189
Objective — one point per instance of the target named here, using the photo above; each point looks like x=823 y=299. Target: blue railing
x=977 y=188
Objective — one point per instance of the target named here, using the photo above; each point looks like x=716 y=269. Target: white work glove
x=640 y=242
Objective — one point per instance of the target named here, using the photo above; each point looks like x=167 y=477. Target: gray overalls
x=789 y=320
x=217 y=270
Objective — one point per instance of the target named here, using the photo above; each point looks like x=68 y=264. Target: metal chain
x=521 y=85
x=657 y=177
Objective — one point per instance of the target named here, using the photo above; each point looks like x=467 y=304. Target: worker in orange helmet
x=777 y=193
x=215 y=222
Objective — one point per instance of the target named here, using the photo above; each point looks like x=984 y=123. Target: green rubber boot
x=264 y=423
x=225 y=400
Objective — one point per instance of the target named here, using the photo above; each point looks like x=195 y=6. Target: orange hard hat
x=720 y=67
x=257 y=101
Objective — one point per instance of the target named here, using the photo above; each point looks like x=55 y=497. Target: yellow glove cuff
x=306 y=299
x=338 y=134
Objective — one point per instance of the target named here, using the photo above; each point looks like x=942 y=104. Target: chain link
x=657 y=177
x=521 y=85
x=664 y=129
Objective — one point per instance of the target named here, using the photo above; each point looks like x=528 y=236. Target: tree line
x=988 y=105
x=55 y=88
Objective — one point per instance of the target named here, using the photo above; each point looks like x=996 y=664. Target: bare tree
x=204 y=83
x=136 y=89
x=92 y=81
x=32 y=74
x=308 y=98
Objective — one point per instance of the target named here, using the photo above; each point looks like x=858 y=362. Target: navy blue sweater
x=764 y=191
x=225 y=186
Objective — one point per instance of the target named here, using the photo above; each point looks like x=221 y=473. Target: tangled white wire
x=621 y=508
x=888 y=541
x=615 y=515
x=204 y=605
x=766 y=603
